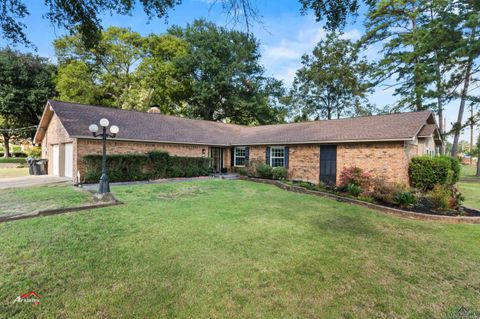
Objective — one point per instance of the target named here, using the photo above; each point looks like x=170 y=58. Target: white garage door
x=68 y=160
x=56 y=160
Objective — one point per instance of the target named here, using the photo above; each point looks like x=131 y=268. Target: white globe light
x=104 y=122
x=93 y=128
x=114 y=129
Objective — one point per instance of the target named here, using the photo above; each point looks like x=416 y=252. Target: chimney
x=154 y=109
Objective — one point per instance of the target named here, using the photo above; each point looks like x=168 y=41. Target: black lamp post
x=104 y=186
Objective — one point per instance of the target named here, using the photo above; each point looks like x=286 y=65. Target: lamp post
x=104 y=186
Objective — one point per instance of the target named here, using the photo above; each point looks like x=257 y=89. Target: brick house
x=312 y=151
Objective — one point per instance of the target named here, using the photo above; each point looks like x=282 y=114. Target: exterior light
x=104 y=122
x=114 y=129
x=93 y=128
x=104 y=185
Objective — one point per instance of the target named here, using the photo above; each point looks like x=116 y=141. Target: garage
x=68 y=159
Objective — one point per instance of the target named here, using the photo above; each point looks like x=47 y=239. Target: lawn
x=470 y=186
x=236 y=249
x=26 y=200
x=13 y=172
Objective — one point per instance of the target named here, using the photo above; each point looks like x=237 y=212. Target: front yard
x=217 y=249
x=470 y=186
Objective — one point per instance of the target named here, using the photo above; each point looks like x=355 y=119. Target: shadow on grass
x=348 y=225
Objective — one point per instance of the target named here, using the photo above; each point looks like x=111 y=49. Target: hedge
x=138 y=167
x=15 y=154
x=426 y=172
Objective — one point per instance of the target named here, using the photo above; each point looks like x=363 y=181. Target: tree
x=26 y=82
x=124 y=70
x=332 y=82
x=478 y=155
x=227 y=82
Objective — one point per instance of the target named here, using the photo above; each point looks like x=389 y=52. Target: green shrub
x=384 y=192
x=354 y=189
x=252 y=167
x=153 y=165
x=425 y=172
x=279 y=173
x=264 y=171
x=35 y=152
x=404 y=199
x=242 y=171
x=439 y=197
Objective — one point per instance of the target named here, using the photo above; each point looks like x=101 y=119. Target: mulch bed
x=474 y=217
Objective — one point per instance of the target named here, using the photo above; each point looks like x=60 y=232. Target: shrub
x=383 y=191
x=252 y=167
x=279 y=173
x=404 y=199
x=243 y=171
x=354 y=189
x=35 y=152
x=439 y=197
x=425 y=172
x=356 y=176
x=264 y=171
x=153 y=165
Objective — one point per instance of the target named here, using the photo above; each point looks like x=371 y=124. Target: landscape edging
x=376 y=207
x=56 y=211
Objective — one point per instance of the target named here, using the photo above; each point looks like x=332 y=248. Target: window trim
x=271 y=155
x=235 y=155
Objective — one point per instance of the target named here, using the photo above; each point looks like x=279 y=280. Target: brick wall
x=386 y=160
x=56 y=134
x=304 y=163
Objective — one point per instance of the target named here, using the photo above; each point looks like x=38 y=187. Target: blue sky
x=284 y=36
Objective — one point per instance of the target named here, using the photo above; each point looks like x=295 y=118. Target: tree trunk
x=6 y=144
x=478 y=162
x=439 y=100
x=463 y=100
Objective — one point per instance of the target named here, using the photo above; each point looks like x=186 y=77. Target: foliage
x=153 y=165
x=384 y=191
x=333 y=81
x=35 y=152
x=26 y=82
x=439 y=197
x=15 y=160
x=264 y=171
x=226 y=78
x=356 y=176
x=242 y=171
x=252 y=165
x=354 y=189
x=425 y=172
x=279 y=173
x=404 y=199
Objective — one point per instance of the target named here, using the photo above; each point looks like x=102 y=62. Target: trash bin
x=31 y=163
x=40 y=167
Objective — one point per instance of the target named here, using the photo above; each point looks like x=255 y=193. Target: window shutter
x=267 y=155
x=232 y=156
x=286 y=157
x=247 y=155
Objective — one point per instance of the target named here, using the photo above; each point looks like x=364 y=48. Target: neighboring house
x=312 y=151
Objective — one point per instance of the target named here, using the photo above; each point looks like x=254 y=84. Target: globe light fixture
x=104 y=185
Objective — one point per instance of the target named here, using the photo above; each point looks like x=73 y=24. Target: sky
x=284 y=35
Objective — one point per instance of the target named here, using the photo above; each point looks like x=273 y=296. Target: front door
x=328 y=164
x=216 y=153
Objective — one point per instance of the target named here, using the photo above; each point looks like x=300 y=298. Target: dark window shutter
x=267 y=155
x=247 y=155
x=286 y=157
x=232 y=156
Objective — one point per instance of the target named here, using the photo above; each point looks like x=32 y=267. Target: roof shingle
x=163 y=128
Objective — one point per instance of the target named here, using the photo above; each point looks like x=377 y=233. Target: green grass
x=25 y=200
x=236 y=249
x=13 y=172
x=470 y=186
x=19 y=160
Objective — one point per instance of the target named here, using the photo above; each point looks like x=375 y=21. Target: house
x=312 y=151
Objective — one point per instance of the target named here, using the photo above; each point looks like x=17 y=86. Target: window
x=240 y=156
x=277 y=156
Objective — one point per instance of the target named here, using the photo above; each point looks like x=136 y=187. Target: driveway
x=27 y=181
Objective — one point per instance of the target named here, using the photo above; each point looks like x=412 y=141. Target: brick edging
x=49 y=212
x=376 y=207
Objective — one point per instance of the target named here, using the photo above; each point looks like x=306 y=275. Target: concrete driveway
x=27 y=181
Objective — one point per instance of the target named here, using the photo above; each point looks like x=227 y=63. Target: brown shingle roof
x=162 y=128
x=427 y=130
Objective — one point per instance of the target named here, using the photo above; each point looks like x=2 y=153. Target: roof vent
x=154 y=109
